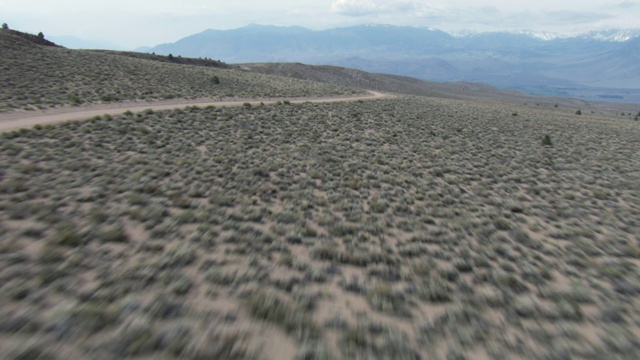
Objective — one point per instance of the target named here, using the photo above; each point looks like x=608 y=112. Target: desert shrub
x=218 y=343
x=50 y=254
x=356 y=342
x=219 y=276
x=435 y=289
x=287 y=217
x=114 y=233
x=134 y=337
x=177 y=256
x=67 y=235
x=382 y=297
x=378 y=206
x=29 y=350
x=109 y=98
x=221 y=199
x=75 y=100
x=13 y=186
x=93 y=316
x=502 y=224
x=181 y=286
x=293 y=318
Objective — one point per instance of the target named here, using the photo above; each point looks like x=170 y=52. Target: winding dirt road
x=23 y=119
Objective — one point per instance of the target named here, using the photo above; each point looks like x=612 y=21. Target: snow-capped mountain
x=615 y=35
x=611 y=35
x=520 y=59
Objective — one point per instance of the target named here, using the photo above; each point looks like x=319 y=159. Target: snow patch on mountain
x=612 y=35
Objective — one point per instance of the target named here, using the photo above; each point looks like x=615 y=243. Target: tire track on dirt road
x=21 y=120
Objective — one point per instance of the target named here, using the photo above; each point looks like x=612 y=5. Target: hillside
x=412 y=86
x=401 y=228
x=388 y=83
x=39 y=77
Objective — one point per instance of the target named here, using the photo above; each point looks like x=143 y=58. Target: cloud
x=487 y=17
x=527 y=19
x=572 y=17
x=375 y=7
x=627 y=5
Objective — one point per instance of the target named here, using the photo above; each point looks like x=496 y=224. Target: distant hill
x=603 y=60
x=259 y=43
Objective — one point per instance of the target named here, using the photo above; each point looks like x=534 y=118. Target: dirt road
x=23 y=119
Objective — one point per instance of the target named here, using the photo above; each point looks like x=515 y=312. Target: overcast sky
x=134 y=23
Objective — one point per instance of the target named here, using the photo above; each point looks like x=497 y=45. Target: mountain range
x=601 y=65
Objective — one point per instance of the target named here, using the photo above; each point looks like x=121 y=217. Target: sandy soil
x=23 y=119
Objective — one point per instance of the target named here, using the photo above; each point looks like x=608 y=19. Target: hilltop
x=14 y=38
